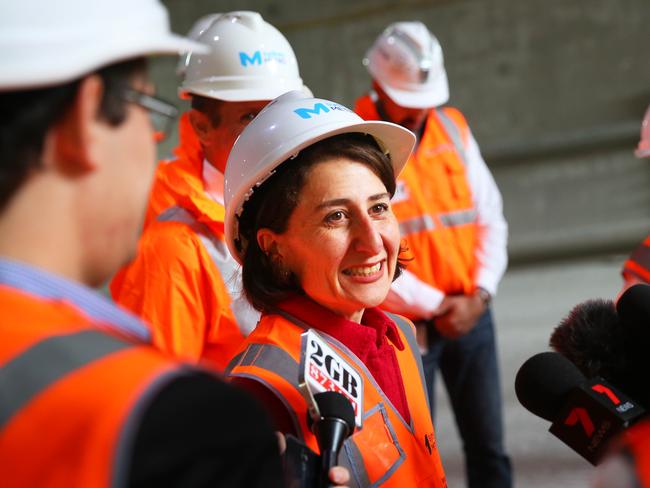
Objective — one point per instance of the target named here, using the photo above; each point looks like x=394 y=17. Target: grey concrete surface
x=531 y=301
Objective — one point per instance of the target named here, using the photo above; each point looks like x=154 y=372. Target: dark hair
x=271 y=205
x=210 y=107
x=28 y=114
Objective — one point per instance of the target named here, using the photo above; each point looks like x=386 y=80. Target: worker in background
x=636 y=268
x=183 y=280
x=84 y=400
x=450 y=214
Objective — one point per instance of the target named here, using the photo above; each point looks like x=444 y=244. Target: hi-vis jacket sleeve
x=168 y=285
x=410 y=296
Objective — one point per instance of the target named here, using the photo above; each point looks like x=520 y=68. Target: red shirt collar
x=372 y=333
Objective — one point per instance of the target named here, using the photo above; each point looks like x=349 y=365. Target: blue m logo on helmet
x=306 y=113
x=260 y=57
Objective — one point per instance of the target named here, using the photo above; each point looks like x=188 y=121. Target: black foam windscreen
x=592 y=338
x=544 y=382
x=332 y=404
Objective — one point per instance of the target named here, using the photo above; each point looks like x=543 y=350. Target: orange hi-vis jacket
x=636 y=439
x=177 y=281
x=638 y=264
x=386 y=451
x=70 y=394
x=433 y=202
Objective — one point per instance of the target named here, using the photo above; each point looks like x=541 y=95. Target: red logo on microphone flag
x=580 y=415
x=606 y=391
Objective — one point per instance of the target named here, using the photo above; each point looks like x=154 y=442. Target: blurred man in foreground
x=84 y=400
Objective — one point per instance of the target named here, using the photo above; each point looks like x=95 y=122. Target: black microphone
x=585 y=414
x=334 y=423
x=610 y=341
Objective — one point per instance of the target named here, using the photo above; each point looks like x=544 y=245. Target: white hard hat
x=643 y=149
x=406 y=60
x=250 y=60
x=49 y=42
x=195 y=32
x=280 y=131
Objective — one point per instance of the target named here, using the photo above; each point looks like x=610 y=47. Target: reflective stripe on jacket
x=70 y=395
x=387 y=451
x=638 y=264
x=438 y=218
x=177 y=281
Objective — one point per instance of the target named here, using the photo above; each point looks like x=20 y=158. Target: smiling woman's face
x=342 y=239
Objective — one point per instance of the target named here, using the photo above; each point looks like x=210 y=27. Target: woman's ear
x=268 y=242
x=75 y=136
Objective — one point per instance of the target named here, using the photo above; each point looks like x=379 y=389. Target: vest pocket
x=373 y=453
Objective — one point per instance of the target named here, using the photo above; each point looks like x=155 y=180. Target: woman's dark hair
x=28 y=114
x=272 y=204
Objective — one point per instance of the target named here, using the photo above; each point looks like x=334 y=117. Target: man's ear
x=201 y=125
x=76 y=135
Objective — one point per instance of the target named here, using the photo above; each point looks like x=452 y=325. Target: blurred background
x=554 y=91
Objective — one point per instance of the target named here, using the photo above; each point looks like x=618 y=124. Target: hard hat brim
x=431 y=95
x=27 y=72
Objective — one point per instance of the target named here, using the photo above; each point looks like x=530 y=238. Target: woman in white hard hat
x=307 y=189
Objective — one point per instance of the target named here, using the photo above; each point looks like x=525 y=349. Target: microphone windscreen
x=544 y=382
x=592 y=338
x=332 y=404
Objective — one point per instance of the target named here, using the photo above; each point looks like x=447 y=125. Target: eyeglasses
x=161 y=112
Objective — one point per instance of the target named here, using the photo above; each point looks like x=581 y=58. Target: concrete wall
x=553 y=90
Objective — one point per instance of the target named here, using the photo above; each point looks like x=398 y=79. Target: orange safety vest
x=176 y=282
x=70 y=395
x=433 y=202
x=386 y=451
x=638 y=264
x=637 y=441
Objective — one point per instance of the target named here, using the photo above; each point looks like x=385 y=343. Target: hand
x=339 y=475
x=458 y=314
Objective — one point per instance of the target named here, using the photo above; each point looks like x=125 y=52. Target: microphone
x=585 y=414
x=335 y=423
x=612 y=341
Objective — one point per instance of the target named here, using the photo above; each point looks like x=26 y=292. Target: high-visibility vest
x=70 y=395
x=386 y=451
x=433 y=202
x=638 y=264
x=637 y=440
x=181 y=278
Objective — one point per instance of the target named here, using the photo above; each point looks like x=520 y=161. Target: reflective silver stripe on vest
x=641 y=256
x=229 y=269
x=407 y=331
x=269 y=357
x=416 y=224
x=454 y=134
x=24 y=377
x=447 y=219
x=458 y=217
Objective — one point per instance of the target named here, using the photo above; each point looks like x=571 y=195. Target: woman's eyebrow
x=335 y=202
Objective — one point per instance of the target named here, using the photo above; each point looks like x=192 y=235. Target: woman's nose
x=367 y=238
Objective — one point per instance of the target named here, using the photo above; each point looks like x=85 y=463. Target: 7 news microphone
x=586 y=414
x=611 y=340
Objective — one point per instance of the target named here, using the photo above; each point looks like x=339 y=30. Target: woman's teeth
x=363 y=270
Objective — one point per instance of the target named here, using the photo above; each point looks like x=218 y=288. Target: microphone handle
x=329 y=459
